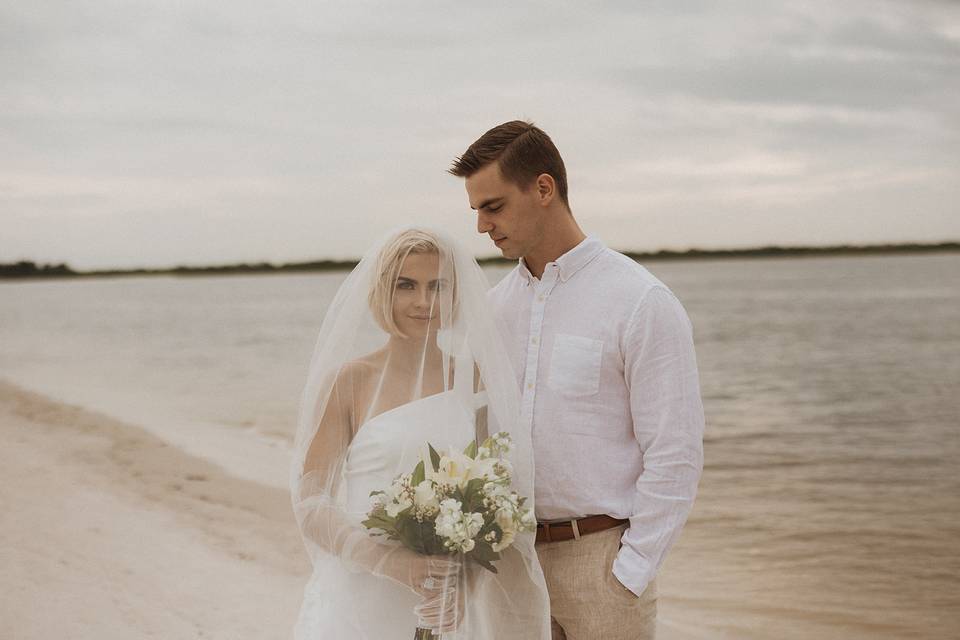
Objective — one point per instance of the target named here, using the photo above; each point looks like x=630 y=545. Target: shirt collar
x=572 y=261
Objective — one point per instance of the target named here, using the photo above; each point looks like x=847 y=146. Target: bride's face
x=416 y=304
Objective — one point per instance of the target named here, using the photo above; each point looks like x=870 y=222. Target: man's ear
x=546 y=188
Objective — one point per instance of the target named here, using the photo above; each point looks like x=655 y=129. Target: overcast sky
x=156 y=133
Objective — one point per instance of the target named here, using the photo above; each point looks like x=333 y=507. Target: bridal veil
x=408 y=352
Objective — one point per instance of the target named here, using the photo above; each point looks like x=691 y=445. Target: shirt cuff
x=632 y=570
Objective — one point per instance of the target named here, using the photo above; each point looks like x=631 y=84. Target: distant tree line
x=29 y=269
x=775 y=251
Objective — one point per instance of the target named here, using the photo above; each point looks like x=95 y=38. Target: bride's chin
x=418 y=336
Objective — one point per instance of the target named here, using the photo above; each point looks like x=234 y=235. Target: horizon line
x=29 y=268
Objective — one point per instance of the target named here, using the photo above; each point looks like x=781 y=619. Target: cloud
x=141 y=132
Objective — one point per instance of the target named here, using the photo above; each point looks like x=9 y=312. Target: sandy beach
x=111 y=533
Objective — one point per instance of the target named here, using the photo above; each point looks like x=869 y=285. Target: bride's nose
x=424 y=299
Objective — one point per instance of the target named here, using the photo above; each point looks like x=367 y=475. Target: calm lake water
x=830 y=503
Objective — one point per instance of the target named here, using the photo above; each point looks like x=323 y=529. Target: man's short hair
x=523 y=152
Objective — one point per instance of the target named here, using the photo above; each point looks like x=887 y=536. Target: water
x=829 y=503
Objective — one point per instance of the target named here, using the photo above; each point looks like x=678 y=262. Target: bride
x=407 y=354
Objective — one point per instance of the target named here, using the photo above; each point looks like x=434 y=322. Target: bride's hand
x=424 y=575
x=432 y=574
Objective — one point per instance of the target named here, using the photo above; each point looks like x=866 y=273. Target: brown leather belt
x=573 y=529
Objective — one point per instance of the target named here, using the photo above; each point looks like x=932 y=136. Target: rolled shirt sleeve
x=660 y=369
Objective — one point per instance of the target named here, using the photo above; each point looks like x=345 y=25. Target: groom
x=604 y=355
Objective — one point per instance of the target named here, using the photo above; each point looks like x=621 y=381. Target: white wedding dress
x=339 y=603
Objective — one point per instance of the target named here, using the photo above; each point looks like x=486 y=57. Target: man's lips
x=497 y=241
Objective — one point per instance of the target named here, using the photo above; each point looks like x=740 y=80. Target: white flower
x=503 y=468
x=505 y=520
x=473 y=524
x=425 y=497
x=501 y=443
x=456 y=528
x=528 y=520
x=450 y=506
x=485 y=468
x=503 y=544
x=395 y=507
x=451 y=471
x=456 y=469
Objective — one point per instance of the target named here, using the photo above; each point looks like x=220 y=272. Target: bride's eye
x=403 y=284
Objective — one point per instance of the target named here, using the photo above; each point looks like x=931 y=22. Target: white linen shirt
x=604 y=354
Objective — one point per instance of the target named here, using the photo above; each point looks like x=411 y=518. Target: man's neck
x=565 y=238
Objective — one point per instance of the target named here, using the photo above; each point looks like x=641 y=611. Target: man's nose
x=483 y=225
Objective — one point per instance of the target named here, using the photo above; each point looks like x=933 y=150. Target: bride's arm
x=323 y=523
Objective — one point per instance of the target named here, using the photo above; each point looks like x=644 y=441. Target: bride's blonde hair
x=387 y=271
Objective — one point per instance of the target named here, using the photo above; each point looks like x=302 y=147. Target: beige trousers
x=587 y=601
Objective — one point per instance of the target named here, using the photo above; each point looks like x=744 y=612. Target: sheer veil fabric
x=408 y=353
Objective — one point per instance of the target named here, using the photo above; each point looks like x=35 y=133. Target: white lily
x=425 y=497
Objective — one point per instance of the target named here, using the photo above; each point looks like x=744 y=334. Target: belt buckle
x=548 y=526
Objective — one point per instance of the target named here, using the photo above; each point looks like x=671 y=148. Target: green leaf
x=473 y=494
x=419 y=474
x=484 y=555
x=434 y=457
x=381 y=521
x=471 y=450
x=485 y=564
x=420 y=537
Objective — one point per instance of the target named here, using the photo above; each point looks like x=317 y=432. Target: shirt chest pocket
x=575 y=365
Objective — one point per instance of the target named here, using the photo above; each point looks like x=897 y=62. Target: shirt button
x=541 y=298
x=533 y=340
x=529 y=385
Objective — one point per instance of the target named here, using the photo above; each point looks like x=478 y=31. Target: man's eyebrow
x=487 y=203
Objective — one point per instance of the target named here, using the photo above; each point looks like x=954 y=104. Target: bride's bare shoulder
x=363 y=368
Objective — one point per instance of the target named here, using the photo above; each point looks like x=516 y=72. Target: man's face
x=511 y=217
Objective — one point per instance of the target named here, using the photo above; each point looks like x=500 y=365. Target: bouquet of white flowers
x=454 y=503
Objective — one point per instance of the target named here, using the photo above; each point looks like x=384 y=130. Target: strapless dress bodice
x=394 y=441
